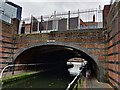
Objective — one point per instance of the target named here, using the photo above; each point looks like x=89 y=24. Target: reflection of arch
x=70 y=45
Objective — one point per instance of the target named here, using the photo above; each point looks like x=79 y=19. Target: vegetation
x=79 y=84
x=106 y=77
x=17 y=77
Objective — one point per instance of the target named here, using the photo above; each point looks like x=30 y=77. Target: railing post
x=68 y=21
x=12 y=70
x=78 y=19
x=41 y=24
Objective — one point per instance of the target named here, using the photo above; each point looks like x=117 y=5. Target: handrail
x=76 y=77
x=73 y=81
x=13 y=65
x=4 y=70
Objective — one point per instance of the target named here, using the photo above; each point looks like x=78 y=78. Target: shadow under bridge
x=54 y=56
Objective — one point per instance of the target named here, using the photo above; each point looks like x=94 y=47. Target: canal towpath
x=93 y=84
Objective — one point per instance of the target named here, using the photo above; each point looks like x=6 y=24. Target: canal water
x=49 y=79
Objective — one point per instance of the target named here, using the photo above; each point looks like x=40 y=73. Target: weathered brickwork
x=7 y=43
x=113 y=47
x=102 y=43
x=105 y=44
x=93 y=40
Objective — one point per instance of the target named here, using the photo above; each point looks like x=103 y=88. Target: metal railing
x=11 y=68
x=82 y=19
x=74 y=82
x=77 y=78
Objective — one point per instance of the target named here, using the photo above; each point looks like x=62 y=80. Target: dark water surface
x=57 y=78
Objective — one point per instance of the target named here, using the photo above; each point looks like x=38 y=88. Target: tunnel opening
x=54 y=56
x=86 y=66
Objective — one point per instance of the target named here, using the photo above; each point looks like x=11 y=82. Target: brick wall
x=113 y=45
x=7 y=43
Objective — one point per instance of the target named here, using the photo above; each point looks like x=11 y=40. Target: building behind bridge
x=61 y=25
x=10 y=16
x=58 y=22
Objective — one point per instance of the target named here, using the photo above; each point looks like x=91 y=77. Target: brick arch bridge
x=84 y=53
x=103 y=44
x=89 y=43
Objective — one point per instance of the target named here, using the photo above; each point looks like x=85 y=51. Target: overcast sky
x=46 y=7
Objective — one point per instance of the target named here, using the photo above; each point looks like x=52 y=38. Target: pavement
x=94 y=84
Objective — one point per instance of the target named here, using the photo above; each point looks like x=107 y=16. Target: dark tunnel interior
x=54 y=55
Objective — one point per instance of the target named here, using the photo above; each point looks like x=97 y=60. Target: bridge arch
x=70 y=46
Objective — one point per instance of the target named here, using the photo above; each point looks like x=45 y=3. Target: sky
x=47 y=7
